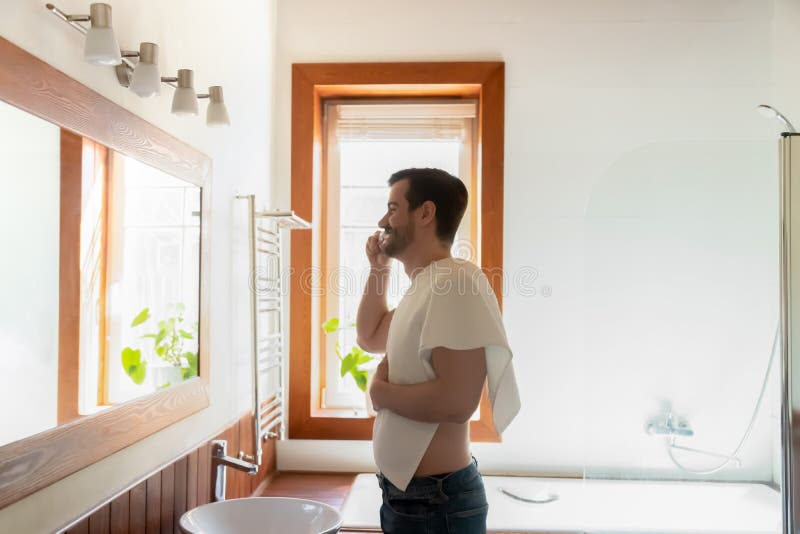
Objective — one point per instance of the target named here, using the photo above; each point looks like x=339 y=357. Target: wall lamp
x=138 y=70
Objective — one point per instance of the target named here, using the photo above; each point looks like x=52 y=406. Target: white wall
x=229 y=47
x=642 y=186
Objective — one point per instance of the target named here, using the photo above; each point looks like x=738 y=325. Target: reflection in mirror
x=29 y=236
x=152 y=285
x=100 y=277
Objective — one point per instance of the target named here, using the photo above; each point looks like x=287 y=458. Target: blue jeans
x=454 y=503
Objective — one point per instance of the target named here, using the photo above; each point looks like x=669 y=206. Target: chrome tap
x=669 y=428
x=220 y=460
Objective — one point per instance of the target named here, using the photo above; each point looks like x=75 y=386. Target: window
x=396 y=92
x=364 y=143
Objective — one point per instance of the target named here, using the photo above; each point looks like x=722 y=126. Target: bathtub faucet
x=668 y=427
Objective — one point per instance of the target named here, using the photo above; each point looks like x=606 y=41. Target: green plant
x=352 y=360
x=168 y=343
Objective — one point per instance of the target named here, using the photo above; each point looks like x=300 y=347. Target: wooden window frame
x=73 y=164
x=312 y=84
x=32 y=463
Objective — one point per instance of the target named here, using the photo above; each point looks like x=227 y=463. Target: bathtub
x=605 y=506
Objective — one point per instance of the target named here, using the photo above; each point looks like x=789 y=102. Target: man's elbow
x=365 y=344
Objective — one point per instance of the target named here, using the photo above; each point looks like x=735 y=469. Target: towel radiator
x=266 y=286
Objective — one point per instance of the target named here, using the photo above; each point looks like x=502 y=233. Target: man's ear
x=427 y=212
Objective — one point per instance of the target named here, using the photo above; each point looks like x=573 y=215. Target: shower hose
x=746 y=435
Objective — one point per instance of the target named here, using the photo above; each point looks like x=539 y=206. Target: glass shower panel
x=681 y=286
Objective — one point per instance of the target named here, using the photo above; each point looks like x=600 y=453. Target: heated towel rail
x=267 y=299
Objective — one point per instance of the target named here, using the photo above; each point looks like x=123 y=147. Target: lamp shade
x=146 y=80
x=101 y=46
x=217 y=112
x=184 y=102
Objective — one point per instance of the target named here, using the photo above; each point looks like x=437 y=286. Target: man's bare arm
x=452 y=397
x=373 y=317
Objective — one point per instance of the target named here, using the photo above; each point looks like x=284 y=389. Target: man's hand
x=377 y=258
x=381 y=377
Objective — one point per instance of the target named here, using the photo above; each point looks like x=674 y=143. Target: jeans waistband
x=448 y=483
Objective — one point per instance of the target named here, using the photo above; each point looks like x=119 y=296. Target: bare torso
x=448 y=450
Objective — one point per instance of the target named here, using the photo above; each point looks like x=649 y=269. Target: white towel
x=449 y=304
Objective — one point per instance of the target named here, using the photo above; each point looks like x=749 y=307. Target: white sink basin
x=263 y=515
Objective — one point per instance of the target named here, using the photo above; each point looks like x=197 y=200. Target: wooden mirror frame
x=30 y=464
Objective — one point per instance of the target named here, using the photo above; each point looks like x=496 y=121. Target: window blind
x=414 y=121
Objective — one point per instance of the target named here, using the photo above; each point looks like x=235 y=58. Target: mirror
x=104 y=315
x=29 y=213
x=130 y=233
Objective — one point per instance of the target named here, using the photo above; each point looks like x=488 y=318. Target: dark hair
x=443 y=189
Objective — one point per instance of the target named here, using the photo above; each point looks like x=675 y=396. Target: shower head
x=771 y=113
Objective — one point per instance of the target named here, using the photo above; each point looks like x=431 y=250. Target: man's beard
x=399 y=240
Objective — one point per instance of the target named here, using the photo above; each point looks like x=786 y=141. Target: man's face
x=398 y=223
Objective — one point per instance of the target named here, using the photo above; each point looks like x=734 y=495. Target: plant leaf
x=348 y=363
x=142 y=317
x=190 y=371
x=164 y=385
x=361 y=379
x=180 y=308
x=186 y=335
x=363 y=358
x=162 y=333
x=331 y=325
x=137 y=372
x=130 y=357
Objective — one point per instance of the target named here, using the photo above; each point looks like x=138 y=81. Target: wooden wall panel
x=99 y=521
x=191 y=480
x=120 y=513
x=156 y=504
x=167 y=497
x=82 y=527
x=180 y=492
x=138 y=508
x=153 y=504
x=203 y=475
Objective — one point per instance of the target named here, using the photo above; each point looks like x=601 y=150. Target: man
x=441 y=342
